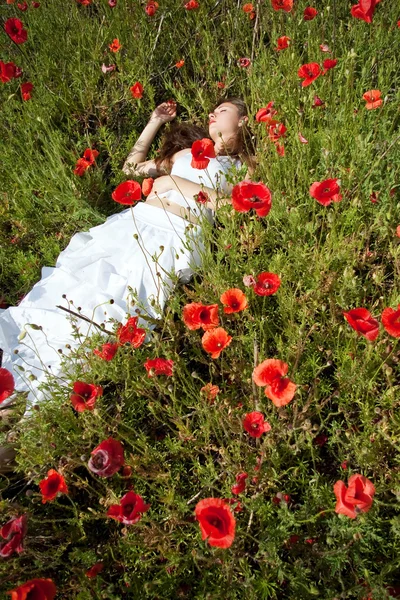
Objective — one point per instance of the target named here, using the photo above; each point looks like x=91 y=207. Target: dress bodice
x=213 y=176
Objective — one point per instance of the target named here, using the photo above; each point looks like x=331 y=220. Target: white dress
x=100 y=265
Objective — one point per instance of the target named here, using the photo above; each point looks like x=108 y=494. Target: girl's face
x=225 y=120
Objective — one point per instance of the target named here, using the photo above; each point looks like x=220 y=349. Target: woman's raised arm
x=162 y=114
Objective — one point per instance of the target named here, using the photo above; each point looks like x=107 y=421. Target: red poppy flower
x=309 y=13
x=309 y=73
x=248 y=194
x=85 y=395
x=247 y=8
x=115 y=46
x=130 y=333
x=266 y=284
x=35 y=589
x=285 y=5
x=26 y=89
x=147 y=186
x=127 y=193
x=7 y=71
x=374 y=197
x=151 y=8
x=108 y=69
x=81 y=166
x=275 y=132
x=356 y=498
x=373 y=99
x=282 y=42
x=244 y=62
x=196 y=315
x=159 y=366
x=215 y=340
x=192 y=4
x=249 y=281
x=137 y=90
x=52 y=485
x=271 y=373
x=210 y=391
x=266 y=114
x=240 y=485
x=234 y=301
x=107 y=458
x=326 y=191
x=90 y=155
x=201 y=197
x=325 y=48
x=217 y=523
x=320 y=439
x=129 y=510
x=302 y=138
x=317 y=102
x=328 y=64
x=255 y=425
x=391 y=321
x=95 y=570
x=7 y=384
x=112 y=3
x=280 y=148
x=88 y=159
x=15 y=30
x=364 y=10
x=23 y=6
x=180 y=63
x=202 y=151
x=107 y=351
x=362 y=321
x=13 y=532
x=398 y=231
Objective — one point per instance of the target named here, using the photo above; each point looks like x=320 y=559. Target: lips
x=212 y=121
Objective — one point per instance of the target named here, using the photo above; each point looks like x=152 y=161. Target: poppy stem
x=323 y=512
x=85 y=319
x=255 y=361
x=255 y=31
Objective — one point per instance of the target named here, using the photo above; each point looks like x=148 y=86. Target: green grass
x=329 y=259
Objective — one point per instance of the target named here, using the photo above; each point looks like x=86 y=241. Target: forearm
x=140 y=150
x=190 y=189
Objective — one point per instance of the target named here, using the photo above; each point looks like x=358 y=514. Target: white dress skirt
x=137 y=249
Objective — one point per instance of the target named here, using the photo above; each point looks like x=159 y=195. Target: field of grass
x=180 y=446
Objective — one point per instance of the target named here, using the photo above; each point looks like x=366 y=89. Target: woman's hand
x=165 y=112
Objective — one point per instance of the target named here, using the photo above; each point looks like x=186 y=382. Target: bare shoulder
x=180 y=153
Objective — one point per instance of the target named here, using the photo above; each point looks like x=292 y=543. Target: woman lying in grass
x=138 y=249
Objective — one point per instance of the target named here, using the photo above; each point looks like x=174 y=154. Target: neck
x=219 y=146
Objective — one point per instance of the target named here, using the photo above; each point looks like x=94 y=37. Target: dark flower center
x=99 y=460
x=216 y=522
x=52 y=486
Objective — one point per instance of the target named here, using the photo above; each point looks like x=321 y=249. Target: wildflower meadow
x=247 y=447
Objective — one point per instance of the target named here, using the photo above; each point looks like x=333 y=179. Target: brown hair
x=182 y=135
